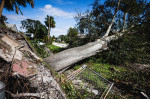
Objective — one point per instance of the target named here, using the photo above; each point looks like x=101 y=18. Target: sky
x=63 y=12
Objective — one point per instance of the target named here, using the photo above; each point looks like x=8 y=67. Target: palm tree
x=12 y=5
x=50 y=23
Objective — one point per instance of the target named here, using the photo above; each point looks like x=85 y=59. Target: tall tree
x=12 y=5
x=72 y=37
x=34 y=26
x=50 y=23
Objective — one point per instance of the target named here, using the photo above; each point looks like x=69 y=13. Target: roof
x=80 y=35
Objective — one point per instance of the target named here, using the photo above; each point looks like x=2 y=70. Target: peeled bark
x=109 y=27
x=1 y=7
x=68 y=57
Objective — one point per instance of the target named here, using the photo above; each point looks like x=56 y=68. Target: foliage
x=95 y=23
x=72 y=92
x=134 y=45
x=36 y=27
x=12 y=5
x=72 y=37
x=129 y=49
x=40 y=49
x=133 y=81
x=63 y=38
x=53 y=48
x=4 y=18
x=49 y=21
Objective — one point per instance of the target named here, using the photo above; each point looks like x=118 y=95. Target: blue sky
x=63 y=12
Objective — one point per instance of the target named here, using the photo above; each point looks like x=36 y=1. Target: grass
x=53 y=48
x=103 y=69
x=126 y=79
x=40 y=49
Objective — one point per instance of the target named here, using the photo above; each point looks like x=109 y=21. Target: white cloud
x=61 y=2
x=63 y=19
x=53 y=11
x=60 y=30
x=16 y=17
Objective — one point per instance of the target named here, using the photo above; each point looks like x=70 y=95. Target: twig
x=144 y=95
x=24 y=95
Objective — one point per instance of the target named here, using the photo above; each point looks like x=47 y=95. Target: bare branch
x=109 y=28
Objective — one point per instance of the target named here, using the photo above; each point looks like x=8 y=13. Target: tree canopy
x=36 y=27
x=96 y=22
x=14 y=5
x=72 y=36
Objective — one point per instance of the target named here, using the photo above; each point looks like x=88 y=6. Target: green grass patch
x=53 y=48
x=107 y=71
x=104 y=69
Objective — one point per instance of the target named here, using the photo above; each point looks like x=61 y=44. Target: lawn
x=106 y=70
x=53 y=48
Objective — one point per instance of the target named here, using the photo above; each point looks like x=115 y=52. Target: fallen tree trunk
x=68 y=57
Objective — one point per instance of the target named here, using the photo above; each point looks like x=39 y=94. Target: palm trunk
x=48 y=35
x=1 y=7
x=124 y=21
x=109 y=28
x=49 y=30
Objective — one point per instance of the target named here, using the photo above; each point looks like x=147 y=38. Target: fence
x=92 y=82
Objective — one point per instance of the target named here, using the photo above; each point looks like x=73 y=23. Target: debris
x=113 y=69
x=141 y=67
x=22 y=71
x=24 y=95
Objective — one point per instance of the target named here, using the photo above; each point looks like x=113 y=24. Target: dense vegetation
x=131 y=48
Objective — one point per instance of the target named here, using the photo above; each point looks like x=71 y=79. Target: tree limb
x=109 y=28
x=24 y=95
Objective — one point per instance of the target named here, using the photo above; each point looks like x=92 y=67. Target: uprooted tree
x=108 y=21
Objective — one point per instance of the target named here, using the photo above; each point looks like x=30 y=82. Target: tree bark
x=1 y=7
x=124 y=21
x=68 y=57
x=49 y=30
x=109 y=27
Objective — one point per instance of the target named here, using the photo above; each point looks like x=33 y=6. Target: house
x=80 y=35
x=29 y=35
x=12 y=26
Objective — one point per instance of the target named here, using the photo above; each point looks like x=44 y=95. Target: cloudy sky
x=63 y=12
